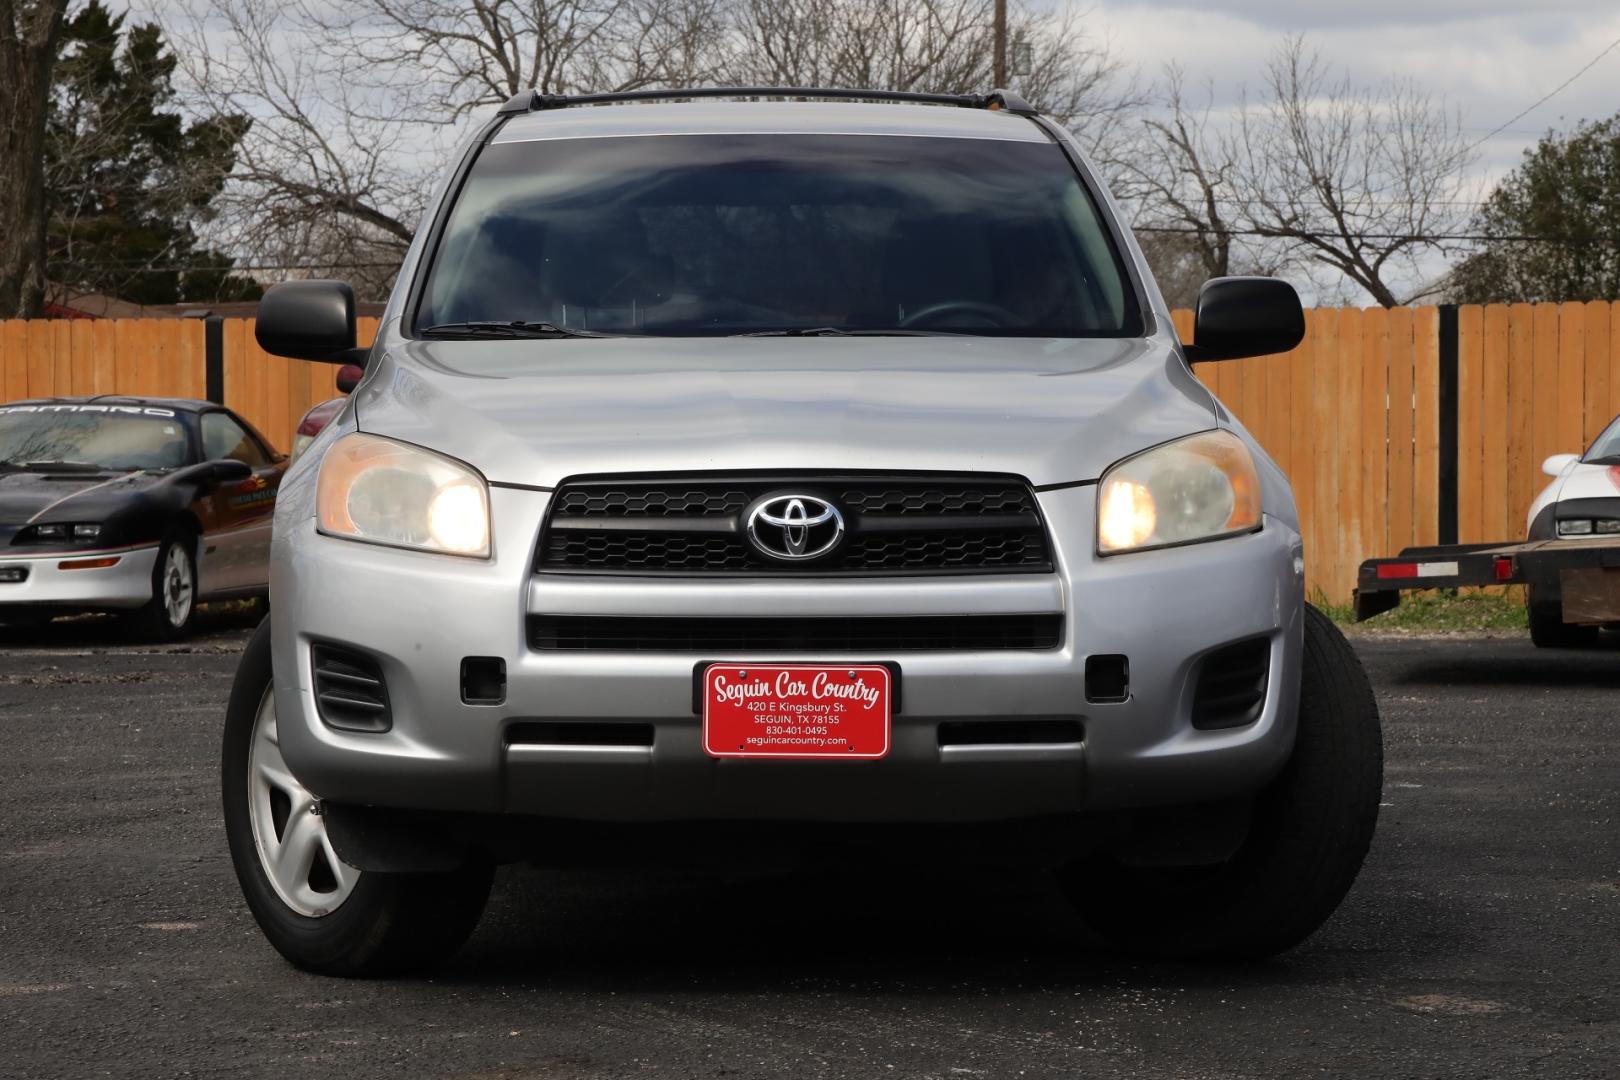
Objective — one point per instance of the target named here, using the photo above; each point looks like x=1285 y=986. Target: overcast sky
x=1492 y=58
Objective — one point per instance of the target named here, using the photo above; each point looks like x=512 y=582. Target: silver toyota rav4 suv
x=809 y=464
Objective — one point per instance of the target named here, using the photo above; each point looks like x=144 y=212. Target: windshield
x=103 y=436
x=736 y=234
x=1606 y=448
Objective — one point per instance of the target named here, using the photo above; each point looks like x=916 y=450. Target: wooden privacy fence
x=1398 y=427
x=1352 y=416
x=1423 y=425
x=164 y=358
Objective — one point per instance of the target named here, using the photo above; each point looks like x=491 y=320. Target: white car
x=1582 y=501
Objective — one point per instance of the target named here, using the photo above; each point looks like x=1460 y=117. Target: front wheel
x=320 y=913
x=167 y=616
x=1309 y=832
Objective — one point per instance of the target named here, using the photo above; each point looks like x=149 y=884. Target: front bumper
x=125 y=584
x=419 y=615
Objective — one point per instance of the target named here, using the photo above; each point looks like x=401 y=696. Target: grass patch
x=1439 y=611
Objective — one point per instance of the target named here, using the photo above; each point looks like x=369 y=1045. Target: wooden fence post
x=1447 y=399
x=214 y=359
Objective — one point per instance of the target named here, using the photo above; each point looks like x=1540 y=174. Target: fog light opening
x=1108 y=678
x=483 y=680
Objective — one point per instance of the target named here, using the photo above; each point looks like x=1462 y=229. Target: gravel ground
x=1482 y=940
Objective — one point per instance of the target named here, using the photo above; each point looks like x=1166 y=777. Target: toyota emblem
x=794 y=527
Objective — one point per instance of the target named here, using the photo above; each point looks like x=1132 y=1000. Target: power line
x=1547 y=96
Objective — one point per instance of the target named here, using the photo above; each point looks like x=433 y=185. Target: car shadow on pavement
x=1595 y=668
x=944 y=933
x=109 y=631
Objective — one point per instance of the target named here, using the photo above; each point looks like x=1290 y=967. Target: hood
x=130 y=507
x=1585 y=481
x=536 y=412
x=62 y=496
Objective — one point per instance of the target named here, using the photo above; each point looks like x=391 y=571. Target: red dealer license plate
x=796 y=710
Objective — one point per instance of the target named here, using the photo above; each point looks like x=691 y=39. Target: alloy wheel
x=288 y=830
x=179 y=589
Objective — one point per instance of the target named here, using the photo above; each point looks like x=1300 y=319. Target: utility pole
x=999 y=76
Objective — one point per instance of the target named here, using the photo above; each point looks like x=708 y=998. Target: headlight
x=54 y=533
x=1198 y=488
x=390 y=492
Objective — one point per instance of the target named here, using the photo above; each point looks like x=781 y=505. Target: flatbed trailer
x=1584 y=572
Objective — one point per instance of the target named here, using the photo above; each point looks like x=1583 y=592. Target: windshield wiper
x=517 y=328
x=839 y=331
x=61 y=466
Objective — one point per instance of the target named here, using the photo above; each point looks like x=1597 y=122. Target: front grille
x=894 y=525
x=349 y=690
x=852 y=636
x=1231 y=687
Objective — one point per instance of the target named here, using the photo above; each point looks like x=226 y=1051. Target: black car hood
x=62 y=496
x=121 y=501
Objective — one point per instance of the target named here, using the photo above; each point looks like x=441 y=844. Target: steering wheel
x=998 y=315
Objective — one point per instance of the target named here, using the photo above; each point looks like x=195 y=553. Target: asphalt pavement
x=1482 y=940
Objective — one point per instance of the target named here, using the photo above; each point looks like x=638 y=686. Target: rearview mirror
x=1245 y=316
x=1555 y=465
x=348 y=377
x=308 y=320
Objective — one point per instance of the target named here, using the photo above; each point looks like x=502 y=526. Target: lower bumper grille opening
x=349 y=691
x=1009 y=732
x=886 y=634
x=578 y=733
x=1231 y=688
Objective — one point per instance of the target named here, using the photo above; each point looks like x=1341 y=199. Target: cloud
x=1316 y=14
x=1487 y=58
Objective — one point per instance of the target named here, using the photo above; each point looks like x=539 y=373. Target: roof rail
x=534 y=101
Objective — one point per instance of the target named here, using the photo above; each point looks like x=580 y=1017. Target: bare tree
x=939 y=46
x=332 y=162
x=1180 y=173
x=29 y=33
x=354 y=107
x=354 y=115
x=1360 y=180
x=466 y=55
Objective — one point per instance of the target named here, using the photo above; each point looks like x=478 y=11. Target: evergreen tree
x=1554 y=224
x=127 y=178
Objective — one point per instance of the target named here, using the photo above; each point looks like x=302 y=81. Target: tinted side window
x=224 y=438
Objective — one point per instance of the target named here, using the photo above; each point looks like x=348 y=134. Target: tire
x=168 y=615
x=1308 y=835
x=1548 y=630
x=329 y=919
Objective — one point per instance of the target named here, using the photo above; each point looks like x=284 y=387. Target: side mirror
x=1555 y=465
x=308 y=320
x=212 y=473
x=348 y=377
x=228 y=471
x=1245 y=316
